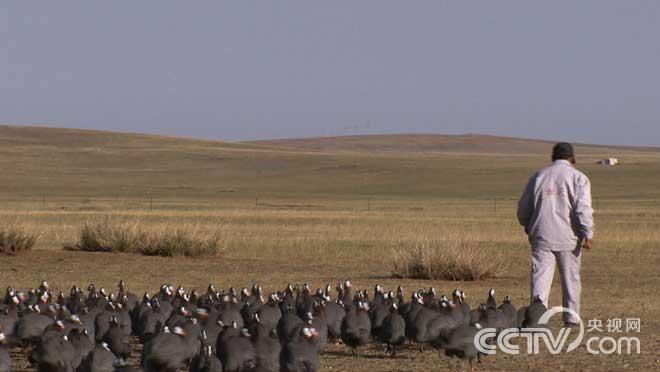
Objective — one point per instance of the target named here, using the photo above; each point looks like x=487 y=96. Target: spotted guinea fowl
x=9 y=314
x=460 y=343
x=380 y=309
x=117 y=340
x=235 y=350
x=415 y=306
x=393 y=330
x=5 y=359
x=289 y=324
x=101 y=359
x=31 y=325
x=356 y=327
x=509 y=312
x=301 y=353
x=206 y=361
x=533 y=313
x=270 y=313
x=267 y=347
x=172 y=351
x=491 y=301
x=82 y=343
x=54 y=353
x=419 y=330
x=334 y=316
x=318 y=321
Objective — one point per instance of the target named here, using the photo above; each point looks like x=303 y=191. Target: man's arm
x=526 y=204
x=583 y=210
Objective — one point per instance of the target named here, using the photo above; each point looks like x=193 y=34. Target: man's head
x=563 y=151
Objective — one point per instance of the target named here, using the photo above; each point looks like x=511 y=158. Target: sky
x=584 y=71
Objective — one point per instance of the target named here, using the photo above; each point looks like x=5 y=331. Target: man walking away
x=555 y=210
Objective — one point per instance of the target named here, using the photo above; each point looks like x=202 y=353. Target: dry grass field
x=323 y=210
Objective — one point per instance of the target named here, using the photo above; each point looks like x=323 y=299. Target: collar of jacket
x=562 y=161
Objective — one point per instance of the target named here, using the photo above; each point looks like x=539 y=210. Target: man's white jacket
x=555 y=208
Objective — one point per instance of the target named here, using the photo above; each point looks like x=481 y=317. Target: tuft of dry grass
x=15 y=239
x=135 y=237
x=454 y=259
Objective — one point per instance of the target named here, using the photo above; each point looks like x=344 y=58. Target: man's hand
x=588 y=244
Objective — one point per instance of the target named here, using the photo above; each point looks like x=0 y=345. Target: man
x=555 y=210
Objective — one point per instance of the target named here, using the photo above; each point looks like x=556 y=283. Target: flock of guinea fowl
x=238 y=330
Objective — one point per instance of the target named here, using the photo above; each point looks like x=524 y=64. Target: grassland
x=322 y=210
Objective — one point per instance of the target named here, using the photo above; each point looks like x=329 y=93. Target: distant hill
x=70 y=164
x=468 y=143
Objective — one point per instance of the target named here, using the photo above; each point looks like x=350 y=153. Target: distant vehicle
x=609 y=161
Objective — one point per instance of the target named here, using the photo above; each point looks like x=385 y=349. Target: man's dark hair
x=563 y=151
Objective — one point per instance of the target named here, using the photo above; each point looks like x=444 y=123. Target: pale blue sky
x=585 y=70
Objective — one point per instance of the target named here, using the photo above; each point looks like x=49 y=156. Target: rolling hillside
x=47 y=163
x=429 y=143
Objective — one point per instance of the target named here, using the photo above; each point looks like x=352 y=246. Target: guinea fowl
x=230 y=311
x=419 y=330
x=102 y=321
x=509 y=312
x=393 y=330
x=178 y=317
x=267 y=347
x=460 y=343
x=168 y=352
x=334 y=316
x=235 y=350
x=31 y=326
x=301 y=353
x=101 y=359
x=5 y=359
x=493 y=318
x=450 y=318
x=82 y=343
x=54 y=353
x=117 y=340
x=150 y=322
x=289 y=325
x=270 y=313
x=459 y=298
x=319 y=323
x=379 y=312
x=9 y=315
x=491 y=302
x=356 y=327
x=129 y=300
x=416 y=305
x=206 y=361
x=533 y=314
